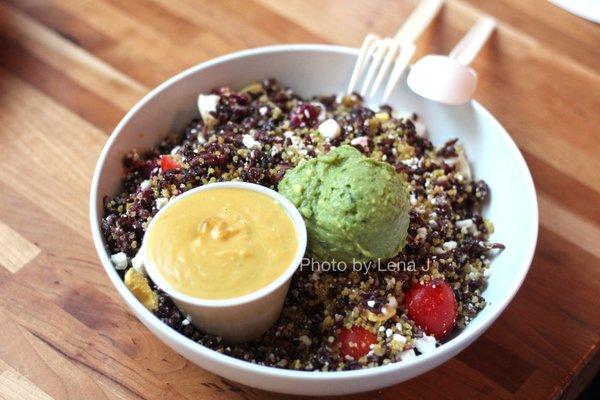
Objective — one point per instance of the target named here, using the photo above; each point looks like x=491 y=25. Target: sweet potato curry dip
x=222 y=243
x=331 y=320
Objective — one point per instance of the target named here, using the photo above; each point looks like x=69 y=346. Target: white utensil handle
x=469 y=46
x=418 y=20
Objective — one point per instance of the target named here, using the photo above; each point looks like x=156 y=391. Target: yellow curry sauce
x=222 y=243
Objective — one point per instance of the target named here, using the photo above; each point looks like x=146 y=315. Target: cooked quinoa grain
x=256 y=135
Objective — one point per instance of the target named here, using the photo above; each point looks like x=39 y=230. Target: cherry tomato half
x=355 y=342
x=432 y=306
x=167 y=163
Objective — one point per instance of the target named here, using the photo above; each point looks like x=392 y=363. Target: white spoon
x=448 y=79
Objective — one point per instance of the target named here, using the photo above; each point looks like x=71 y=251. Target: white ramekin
x=245 y=317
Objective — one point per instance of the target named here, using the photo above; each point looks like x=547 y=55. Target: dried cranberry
x=305 y=115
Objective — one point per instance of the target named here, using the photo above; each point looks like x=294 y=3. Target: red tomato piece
x=355 y=342
x=167 y=163
x=432 y=306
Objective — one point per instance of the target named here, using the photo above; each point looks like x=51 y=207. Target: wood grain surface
x=70 y=69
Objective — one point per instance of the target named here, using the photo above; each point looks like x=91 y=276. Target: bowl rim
x=440 y=353
x=290 y=210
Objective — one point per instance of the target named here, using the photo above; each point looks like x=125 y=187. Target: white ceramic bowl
x=320 y=69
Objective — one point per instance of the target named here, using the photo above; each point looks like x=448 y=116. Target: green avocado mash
x=355 y=208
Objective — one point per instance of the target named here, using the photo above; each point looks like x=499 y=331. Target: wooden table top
x=70 y=69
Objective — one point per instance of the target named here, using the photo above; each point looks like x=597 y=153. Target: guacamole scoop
x=355 y=208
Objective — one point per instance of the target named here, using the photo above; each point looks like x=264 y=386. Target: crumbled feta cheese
x=462 y=165
x=388 y=332
x=392 y=302
x=425 y=344
x=330 y=129
x=322 y=110
x=407 y=355
x=422 y=233
x=263 y=110
x=250 y=143
x=399 y=338
x=277 y=147
x=293 y=138
x=413 y=199
x=187 y=320
x=161 y=202
x=361 y=141
x=381 y=328
x=486 y=273
x=201 y=139
x=473 y=275
x=420 y=129
x=464 y=223
x=137 y=262
x=145 y=184
x=119 y=260
x=400 y=114
x=411 y=162
x=371 y=303
x=451 y=161
x=207 y=103
x=449 y=245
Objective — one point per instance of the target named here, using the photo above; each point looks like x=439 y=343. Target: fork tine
x=377 y=59
x=394 y=47
x=366 y=50
x=406 y=52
